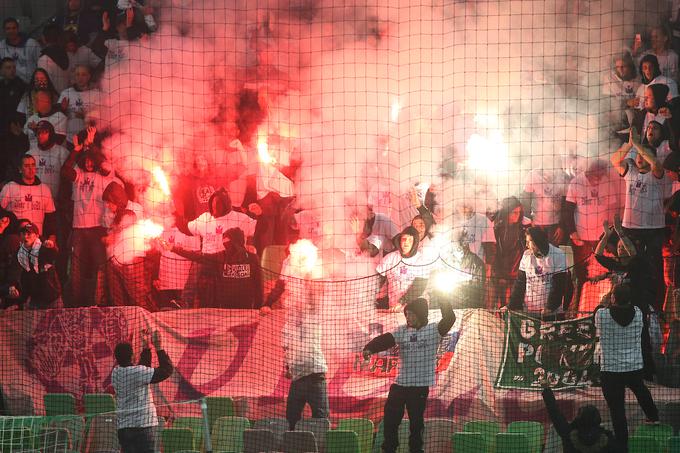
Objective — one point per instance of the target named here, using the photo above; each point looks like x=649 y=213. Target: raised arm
x=448 y=318
x=617 y=159
x=165 y=368
x=380 y=343
x=556 y=417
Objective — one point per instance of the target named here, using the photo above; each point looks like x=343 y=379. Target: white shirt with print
x=88 y=206
x=48 y=165
x=25 y=56
x=539 y=273
x=645 y=194
x=548 y=188
x=210 y=228
x=79 y=103
x=478 y=230
x=594 y=204
x=402 y=272
x=417 y=355
x=28 y=202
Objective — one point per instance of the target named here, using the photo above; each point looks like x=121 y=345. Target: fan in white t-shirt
x=135 y=409
x=49 y=156
x=476 y=228
x=221 y=217
x=79 y=100
x=406 y=270
x=542 y=277
x=44 y=110
x=543 y=195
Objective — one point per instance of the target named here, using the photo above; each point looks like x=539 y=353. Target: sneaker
x=651 y=422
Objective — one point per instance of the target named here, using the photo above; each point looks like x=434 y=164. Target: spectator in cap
x=38 y=284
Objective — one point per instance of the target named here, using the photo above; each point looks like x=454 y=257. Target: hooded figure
x=228 y=279
x=405 y=270
x=585 y=433
x=406 y=248
x=418 y=307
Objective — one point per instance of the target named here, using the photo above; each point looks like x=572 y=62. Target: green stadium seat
x=53 y=440
x=319 y=426
x=364 y=429
x=437 y=435
x=227 y=433
x=219 y=406
x=16 y=439
x=177 y=439
x=59 y=404
x=342 y=441
x=468 y=442
x=99 y=403
x=512 y=443
x=299 y=442
x=259 y=440
x=660 y=432
x=73 y=423
x=533 y=431
x=674 y=444
x=195 y=424
x=643 y=444
x=102 y=434
x=276 y=425
x=487 y=428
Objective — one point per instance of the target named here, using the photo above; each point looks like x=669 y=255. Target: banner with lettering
x=561 y=351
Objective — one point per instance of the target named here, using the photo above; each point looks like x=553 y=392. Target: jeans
x=414 y=399
x=137 y=440
x=614 y=392
x=310 y=389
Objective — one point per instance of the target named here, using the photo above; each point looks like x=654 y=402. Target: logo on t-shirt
x=42 y=162
x=28 y=197
x=218 y=229
x=236 y=271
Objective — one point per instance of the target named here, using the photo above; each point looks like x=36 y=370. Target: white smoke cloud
x=367 y=93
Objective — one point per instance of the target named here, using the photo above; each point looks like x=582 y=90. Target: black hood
x=411 y=232
x=622 y=314
x=21 y=182
x=418 y=307
x=57 y=54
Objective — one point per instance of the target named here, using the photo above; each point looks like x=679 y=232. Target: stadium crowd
x=66 y=213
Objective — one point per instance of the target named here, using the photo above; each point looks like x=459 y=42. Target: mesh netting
x=342 y=227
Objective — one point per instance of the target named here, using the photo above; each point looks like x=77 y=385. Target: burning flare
x=161 y=180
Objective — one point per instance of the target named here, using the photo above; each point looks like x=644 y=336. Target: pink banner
x=238 y=353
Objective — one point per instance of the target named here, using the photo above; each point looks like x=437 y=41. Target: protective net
x=344 y=227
